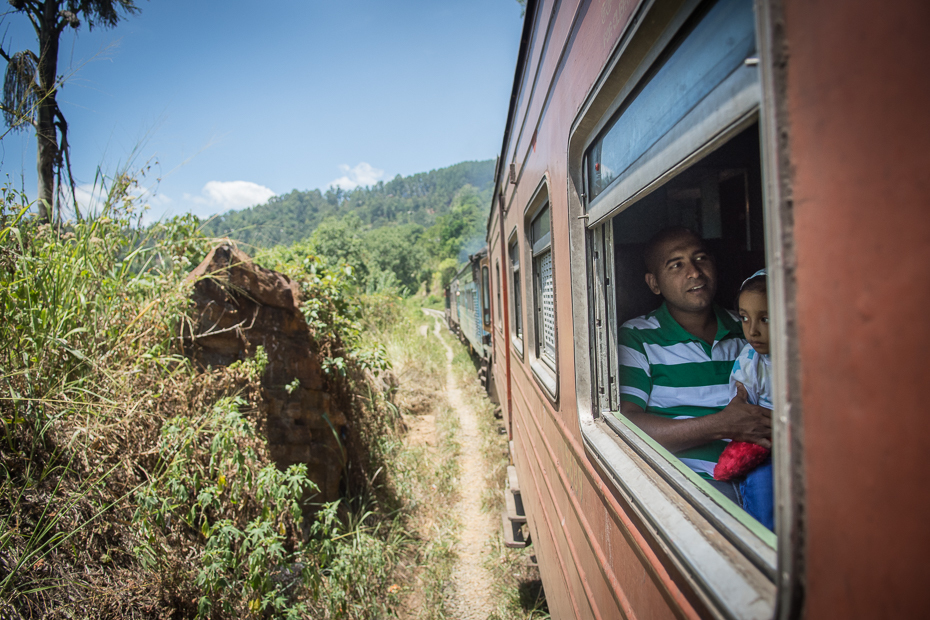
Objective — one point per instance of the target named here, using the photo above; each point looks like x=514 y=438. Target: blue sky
x=231 y=104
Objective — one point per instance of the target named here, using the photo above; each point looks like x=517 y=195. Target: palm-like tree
x=31 y=82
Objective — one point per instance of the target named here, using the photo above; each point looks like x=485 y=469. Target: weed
x=211 y=485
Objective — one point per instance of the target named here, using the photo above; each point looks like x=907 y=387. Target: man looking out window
x=675 y=362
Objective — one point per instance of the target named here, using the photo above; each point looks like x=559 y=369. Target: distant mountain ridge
x=416 y=199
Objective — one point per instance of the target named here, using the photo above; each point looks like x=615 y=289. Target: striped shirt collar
x=727 y=327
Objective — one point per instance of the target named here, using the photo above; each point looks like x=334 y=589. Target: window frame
x=499 y=323
x=742 y=584
x=517 y=325
x=545 y=368
x=485 y=295
x=540 y=248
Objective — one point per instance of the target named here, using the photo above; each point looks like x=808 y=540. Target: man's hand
x=741 y=421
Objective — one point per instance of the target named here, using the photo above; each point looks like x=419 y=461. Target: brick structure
x=240 y=306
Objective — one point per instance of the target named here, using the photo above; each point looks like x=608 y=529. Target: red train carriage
x=789 y=134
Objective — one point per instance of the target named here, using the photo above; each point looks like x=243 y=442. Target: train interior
x=720 y=198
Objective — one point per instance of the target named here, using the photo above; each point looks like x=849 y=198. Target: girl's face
x=754 y=314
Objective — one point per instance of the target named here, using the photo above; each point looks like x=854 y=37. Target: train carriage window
x=675 y=143
x=541 y=290
x=540 y=238
x=517 y=288
x=485 y=296
x=500 y=311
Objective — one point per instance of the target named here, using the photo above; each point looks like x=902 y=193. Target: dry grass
x=518 y=591
x=131 y=484
x=422 y=466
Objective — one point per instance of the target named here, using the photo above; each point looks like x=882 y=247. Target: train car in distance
x=788 y=135
x=468 y=310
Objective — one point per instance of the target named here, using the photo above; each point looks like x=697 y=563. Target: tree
x=464 y=222
x=397 y=249
x=339 y=242
x=32 y=81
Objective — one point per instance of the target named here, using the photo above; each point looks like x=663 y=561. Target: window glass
x=720 y=199
x=485 y=295
x=540 y=226
x=517 y=290
x=716 y=47
x=500 y=312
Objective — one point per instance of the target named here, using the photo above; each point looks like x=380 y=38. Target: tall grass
x=133 y=485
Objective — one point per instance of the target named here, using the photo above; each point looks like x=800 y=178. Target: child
x=753 y=369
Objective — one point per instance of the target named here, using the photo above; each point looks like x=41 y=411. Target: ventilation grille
x=548 y=304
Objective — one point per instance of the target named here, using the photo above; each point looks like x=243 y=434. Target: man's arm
x=739 y=421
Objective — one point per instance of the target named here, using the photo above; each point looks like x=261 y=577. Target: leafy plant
x=212 y=487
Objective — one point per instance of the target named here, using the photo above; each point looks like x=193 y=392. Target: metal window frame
x=517 y=325
x=545 y=368
x=500 y=308
x=485 y=295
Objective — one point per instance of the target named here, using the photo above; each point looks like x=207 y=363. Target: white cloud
x=362 y=174
x=219 y=196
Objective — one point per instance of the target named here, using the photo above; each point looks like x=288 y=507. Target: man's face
x=684 y=274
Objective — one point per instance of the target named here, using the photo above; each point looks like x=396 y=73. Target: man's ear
x=652 y=283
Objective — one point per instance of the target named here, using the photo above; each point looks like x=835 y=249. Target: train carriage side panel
x=465 y=302
x=591 y=549
x=500 y=328
x=842 y=128
x=598 y=555
x=857 y=96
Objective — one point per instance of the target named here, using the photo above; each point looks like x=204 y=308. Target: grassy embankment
x=133 y=485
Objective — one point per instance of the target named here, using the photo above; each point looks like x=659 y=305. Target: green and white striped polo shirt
x=668 y=372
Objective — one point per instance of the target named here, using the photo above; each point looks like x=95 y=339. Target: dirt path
x=472 y=583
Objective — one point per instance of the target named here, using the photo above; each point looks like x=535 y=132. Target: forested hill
x=416 y=199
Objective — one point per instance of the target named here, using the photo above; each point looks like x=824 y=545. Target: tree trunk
x=46 y=156
x=46 y=134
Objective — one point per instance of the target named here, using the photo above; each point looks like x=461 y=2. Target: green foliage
x=254 y=366
x=117 y=462
x=69 y=296
x=357 y=557
x=398 y=250
x=331 y=306
x=447 y=269
x=339 y=242
x=210 y=485
x=416 y=199
x=464 y=222
x=393 y=235
x=85 y=312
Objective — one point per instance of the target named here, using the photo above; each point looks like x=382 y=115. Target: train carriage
x=790 y=135
x=468 y=310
